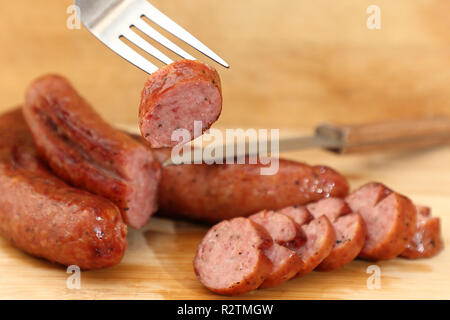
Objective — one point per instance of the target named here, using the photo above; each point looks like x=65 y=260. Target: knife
x=360 y=138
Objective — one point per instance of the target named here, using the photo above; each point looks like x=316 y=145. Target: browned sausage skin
x=174 y=97
x=211 y=193
x=84 y=150
x=390 y=220
x=427 y=241
x=230 y=258
x=43 y=216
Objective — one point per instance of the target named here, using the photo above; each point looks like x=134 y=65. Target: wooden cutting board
x=158 y=262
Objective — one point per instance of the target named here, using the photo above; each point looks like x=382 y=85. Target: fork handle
x=385 y=136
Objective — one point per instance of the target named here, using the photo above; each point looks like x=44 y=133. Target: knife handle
x=385 y=136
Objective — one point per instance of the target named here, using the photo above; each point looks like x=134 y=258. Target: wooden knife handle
x=385 y=136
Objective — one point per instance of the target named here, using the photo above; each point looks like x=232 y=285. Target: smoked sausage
x=230 y=258
x=320 y=238
x=284 y=232
x=82 y=149
x=174 y=97
x=350 y=232
x=390 y=220
x=43 y=216
x=211 y=193
x=427 y=241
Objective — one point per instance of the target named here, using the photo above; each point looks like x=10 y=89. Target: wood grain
x=294 y=64
x=158 y=262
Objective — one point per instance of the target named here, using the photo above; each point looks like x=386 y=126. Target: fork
x=112 y=20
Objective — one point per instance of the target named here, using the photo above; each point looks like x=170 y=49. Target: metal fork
x=110 y=20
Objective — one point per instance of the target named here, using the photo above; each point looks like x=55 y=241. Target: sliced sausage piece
x=390 y=219
x=281 y=228
x=43 y=216
x=85 y=151
x=299 y=214
x=320 y=237
x=427 y=241
x=349 y=228
x=174 y=97
x=284 y=231
x=332 y=207
x=286 y=265
x=211 y=193
x=230 y=258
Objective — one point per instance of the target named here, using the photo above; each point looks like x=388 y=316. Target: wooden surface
x=295 y=64
x=158 y=262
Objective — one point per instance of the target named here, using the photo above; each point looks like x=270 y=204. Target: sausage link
x=43 y=216
x=211 y=193
x=84 y=150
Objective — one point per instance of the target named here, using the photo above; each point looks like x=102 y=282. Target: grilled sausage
x=174 y=97
x=284 y=232
x=211 y=193
x=427 y=241
x=230 y=258
x=84 y=150
x=390 y=219
x=349 y=228
x=45 y=217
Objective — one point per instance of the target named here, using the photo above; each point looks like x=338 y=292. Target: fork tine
x=169 y=25
x=158 y=37
x=131 y=56
x=147 y=47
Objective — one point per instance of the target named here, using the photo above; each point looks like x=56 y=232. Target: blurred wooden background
x=294 y=63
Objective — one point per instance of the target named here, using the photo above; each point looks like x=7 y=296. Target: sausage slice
x=350 y=232
x=230 y=258
x=299 y=214
x=283 y=230
x=390 y=219
x=85 y=151
x=174 y=97
x=320 y=238
x=427 y=241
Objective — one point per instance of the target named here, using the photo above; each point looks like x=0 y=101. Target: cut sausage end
x=427 y=240
x=174 y=98
x=390 y=220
